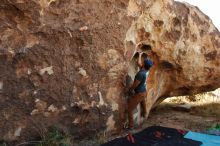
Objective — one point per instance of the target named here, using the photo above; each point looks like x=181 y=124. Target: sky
x=210 y=7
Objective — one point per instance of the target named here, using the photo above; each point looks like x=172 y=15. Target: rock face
x=63 y=63
x=186 y=48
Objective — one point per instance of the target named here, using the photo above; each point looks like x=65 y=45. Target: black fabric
x=155 y=136
x=178 y=142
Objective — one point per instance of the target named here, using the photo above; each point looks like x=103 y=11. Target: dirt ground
x=204 y=113
x=198 y=118
x=165 y=115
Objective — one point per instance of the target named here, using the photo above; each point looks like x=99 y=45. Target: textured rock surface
x=63 y=62
x=186 y=48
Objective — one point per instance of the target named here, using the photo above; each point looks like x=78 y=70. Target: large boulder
x=185 y=45
x=64 y=63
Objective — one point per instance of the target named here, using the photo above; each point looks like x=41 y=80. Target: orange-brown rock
x=73 y=57
x=186 y=48
x=62 y=64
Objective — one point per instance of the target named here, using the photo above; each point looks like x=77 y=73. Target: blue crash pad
x=207 y=140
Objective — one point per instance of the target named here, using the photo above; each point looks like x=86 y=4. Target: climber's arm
x=137 y=80
x=139 y=59
x=135 y=84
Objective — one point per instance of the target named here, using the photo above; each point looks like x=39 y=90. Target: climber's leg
x=132 y=104
x=143 y=108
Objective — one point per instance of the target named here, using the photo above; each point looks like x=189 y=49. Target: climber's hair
x=148 y=64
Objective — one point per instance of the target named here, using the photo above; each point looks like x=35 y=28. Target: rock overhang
x=82 y=60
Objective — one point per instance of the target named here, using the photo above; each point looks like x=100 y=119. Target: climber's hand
x=129 y=91
x=140 y=54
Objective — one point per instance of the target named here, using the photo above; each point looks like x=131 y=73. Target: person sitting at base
x=139 y=86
